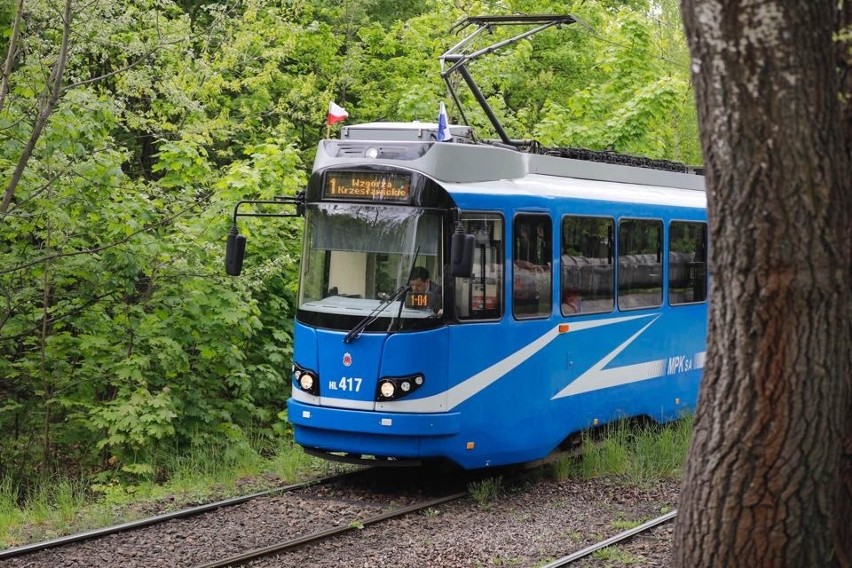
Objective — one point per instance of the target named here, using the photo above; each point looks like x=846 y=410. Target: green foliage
x=636 y=453
x=635 y=97
x=119 y=332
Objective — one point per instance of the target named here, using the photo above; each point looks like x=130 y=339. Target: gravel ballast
x=525 y=525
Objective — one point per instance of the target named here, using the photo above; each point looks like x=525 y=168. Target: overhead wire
x=597 y=36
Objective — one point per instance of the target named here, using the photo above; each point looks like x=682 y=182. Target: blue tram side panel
x=501 y=363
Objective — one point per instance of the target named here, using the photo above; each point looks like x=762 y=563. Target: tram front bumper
x=371 y=432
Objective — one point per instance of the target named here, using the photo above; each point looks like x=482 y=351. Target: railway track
x=235 y=531
x=319 y=536
x=30 y=549
x=619 y=538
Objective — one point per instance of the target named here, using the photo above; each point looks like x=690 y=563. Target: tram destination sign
x=375 y=186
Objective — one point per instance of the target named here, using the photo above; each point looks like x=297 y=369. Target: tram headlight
x=392 y=388
x=372 y=152
x=305 y=380
x=387 y=389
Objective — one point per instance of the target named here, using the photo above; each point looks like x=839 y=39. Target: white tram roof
x=590 y=189
x=467 y=168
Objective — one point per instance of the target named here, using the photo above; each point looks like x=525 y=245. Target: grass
x=9 y=513
x=562 y=467
x=636 y=453
x=51 y=506
x=622 y=525
x=486 y=490
x=55 y=507
x=612 y=556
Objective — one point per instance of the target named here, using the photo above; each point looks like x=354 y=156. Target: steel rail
x=157 y=519
x=565 y=560
x=240 y=559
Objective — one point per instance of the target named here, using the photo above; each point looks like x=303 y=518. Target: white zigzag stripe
x=598 y=378
x=453 y=397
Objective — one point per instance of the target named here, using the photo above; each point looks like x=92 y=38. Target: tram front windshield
x=356 y=257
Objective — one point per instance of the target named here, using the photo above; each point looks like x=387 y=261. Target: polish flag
x=336 y=113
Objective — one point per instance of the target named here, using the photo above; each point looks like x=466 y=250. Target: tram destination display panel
x=369 y=186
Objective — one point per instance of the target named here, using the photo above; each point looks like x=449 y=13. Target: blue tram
x=477 y=304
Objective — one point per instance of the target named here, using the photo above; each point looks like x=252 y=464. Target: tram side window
x=481 y=295
x=640 y=263
x=587 y=265
x=533 y=257
x=687 y=262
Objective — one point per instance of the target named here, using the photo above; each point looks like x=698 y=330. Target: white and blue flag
x=443 y=125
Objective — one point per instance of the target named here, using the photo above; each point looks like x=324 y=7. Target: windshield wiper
x=374 y=315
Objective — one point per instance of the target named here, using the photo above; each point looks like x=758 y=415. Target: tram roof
x=413 y=146
x=550 y=187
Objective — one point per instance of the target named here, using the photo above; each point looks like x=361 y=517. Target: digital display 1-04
x=417 y=300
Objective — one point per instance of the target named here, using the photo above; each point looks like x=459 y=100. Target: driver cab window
x=481 y=295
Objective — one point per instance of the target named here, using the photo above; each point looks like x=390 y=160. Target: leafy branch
x=46 y=105
x=10 y=55
x=51 y=319
x=161 y=223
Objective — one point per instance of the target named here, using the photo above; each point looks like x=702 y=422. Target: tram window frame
x=531 y=298
x=631 y=297
x=696 y=270
x=491 y=243
x=575 y=298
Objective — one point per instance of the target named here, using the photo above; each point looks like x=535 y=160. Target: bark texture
x=764 y=481
x=843 y=527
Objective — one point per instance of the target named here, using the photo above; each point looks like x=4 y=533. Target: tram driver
x=421 y=283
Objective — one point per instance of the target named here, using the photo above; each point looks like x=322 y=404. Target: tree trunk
x=763 y=484
x=844 y=66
